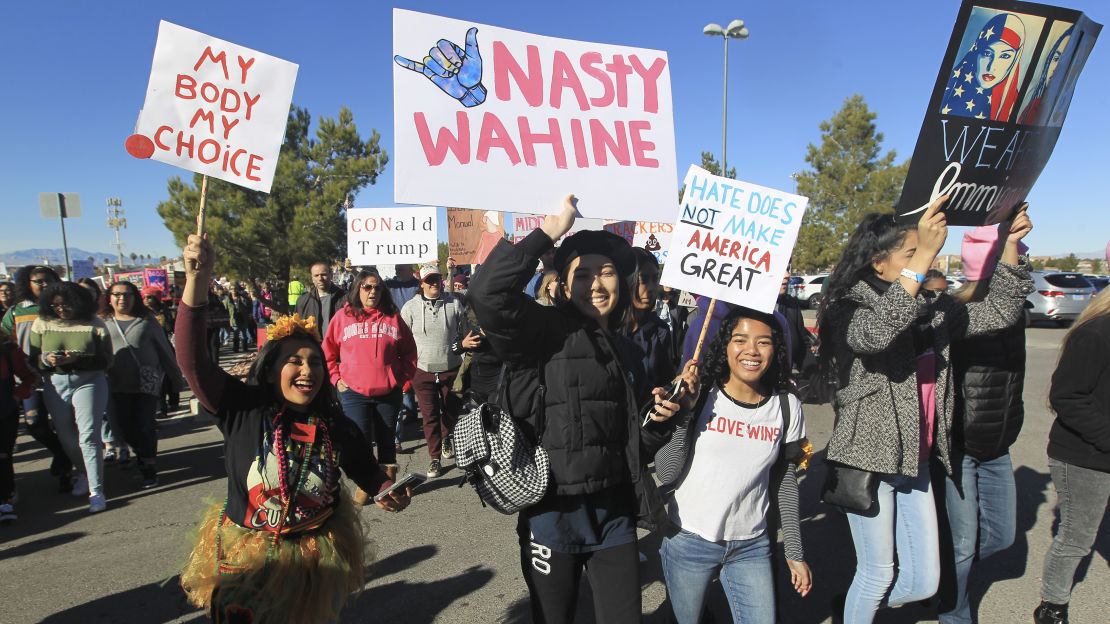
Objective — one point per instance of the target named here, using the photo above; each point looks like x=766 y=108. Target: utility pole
x=117 y=222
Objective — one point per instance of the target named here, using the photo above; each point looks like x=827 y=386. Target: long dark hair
x=137 y=309
x=875 y=238
x=715 y=370
x=23 y=276
x=323 y=404
x=79 y=299
x=385 y=298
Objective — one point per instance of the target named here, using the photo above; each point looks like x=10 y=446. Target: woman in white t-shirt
x=724 y=466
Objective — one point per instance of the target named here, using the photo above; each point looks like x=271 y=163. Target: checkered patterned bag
x=507 y=470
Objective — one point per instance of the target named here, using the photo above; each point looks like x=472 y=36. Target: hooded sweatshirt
x=373 y=354
x=434 y=324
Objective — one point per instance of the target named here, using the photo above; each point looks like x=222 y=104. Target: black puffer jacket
x=990 y=375
x=587 y=419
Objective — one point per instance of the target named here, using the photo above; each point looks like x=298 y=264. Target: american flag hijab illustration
x=984 y=83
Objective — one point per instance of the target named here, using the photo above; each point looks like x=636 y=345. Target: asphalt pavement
x=448 y=559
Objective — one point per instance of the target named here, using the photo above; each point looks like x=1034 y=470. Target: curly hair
x=385 y=297
x=78 y=298
x=324 y=404
x=876 y=236
x=716 y=371
x=23 y=277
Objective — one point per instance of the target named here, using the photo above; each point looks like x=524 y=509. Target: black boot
x=1050 y=613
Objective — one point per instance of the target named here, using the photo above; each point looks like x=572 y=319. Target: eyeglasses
x=119 y=295
x=370 y=287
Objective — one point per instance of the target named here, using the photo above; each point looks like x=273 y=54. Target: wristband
x=917 y=277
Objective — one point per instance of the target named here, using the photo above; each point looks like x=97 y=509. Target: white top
x=724 y=494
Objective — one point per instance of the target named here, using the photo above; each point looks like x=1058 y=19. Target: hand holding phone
x=400 y=491
x=671 y=394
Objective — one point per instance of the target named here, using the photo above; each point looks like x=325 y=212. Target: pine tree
x=849 y=177
x=302 y=220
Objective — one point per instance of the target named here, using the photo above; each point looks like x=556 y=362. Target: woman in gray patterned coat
x=888 y=339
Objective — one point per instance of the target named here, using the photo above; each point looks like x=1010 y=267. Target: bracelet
x=917 y=277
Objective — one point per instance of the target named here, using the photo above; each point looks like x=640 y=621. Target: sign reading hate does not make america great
x=732 y=240
x=215 y=108
x=496 y=119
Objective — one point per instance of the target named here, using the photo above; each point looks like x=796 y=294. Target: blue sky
x=75 y=74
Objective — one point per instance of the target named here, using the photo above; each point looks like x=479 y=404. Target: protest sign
x=996 y=110
x=83 y=269
x=732 y=240
x=654 y=237
x=391 y=235
x=472 y=234
x=525 y=224
x=214 y=108
x=489 y=117
x=156 y=278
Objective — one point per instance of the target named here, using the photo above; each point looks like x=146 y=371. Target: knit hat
x=978 y=254
x=596 y=242
x=151 y=291
x=428 y=270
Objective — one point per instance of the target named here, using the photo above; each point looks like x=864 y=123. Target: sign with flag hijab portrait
x=995 y=114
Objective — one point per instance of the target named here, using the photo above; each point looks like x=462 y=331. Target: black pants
x=38 y=425
x=134 y=415
x=553 y=579
x=214 y=345
x=9 y=426
x=241 y=331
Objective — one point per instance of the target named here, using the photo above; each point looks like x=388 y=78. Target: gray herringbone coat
x=877 y=412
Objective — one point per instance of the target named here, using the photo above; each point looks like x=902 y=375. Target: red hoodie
x=372 y=355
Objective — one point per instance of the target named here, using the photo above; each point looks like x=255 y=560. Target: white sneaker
x=97 y=503
x=80 y=485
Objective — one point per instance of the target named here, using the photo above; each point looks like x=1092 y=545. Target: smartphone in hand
x=409 y=480
x=670 y=393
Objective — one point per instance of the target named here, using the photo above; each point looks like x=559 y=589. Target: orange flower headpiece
x=807 y=453
x=288 y=325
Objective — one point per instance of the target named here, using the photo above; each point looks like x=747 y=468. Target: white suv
x=809 y=289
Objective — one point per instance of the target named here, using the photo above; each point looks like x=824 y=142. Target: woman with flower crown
x=286 y=544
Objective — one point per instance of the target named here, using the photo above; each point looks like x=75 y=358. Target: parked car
x=809 y=289
x=792 y=285
x=1098 y=281
x=1059 y=297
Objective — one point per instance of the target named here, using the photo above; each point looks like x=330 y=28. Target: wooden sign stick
x=201 y=213
x=704 y=329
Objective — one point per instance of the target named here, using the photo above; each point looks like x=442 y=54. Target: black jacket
x=989 y=372
x=800 y=337
x=1080 y=396
x=485 y=367
x=309 y=305
x=654 y=339
x=585 y=415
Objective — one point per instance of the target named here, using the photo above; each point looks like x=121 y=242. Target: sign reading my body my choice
x=1000 y=99
x=490 y=118
x=391 y=235
x=732 y=240
x=214 y=108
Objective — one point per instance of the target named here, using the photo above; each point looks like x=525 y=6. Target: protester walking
x=433 y=316
x=113 y=449
x=286 y=524
x=980 y=497
x=240 y=315
x=17 y=383
x=572 y=388
x=30 y=282
x=142 y=359
x=370 y=354
x=7 y=297
x=70 y=345
x=1078 y=454
x=888 y=341
x=720 y=485
x=323 y=300
x=170 y=397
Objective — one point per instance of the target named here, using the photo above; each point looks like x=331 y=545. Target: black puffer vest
x=990 y=376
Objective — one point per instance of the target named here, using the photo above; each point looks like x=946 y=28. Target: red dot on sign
x=139 y=146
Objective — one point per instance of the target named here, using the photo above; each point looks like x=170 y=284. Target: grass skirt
x=304 y=577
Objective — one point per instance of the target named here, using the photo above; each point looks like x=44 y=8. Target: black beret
x=598 y=242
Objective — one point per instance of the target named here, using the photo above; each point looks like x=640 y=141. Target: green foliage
x=1068 y=263
x=302 y=220
x=709 y=163
x=848 y=178
x=1037 y=264
x=443 y=250
x=1097 y=266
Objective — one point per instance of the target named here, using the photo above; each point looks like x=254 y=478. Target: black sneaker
x=1049 y=613
x=110 y=456
x=433 y=469
x=65 y=482
x=149 y=475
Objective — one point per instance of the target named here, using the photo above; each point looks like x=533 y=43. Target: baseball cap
x=428 y=270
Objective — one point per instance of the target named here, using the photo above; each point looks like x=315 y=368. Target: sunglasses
x=433 y=279
x=119 y=295
x=370 y=287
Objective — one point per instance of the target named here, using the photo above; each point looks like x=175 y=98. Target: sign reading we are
x=214 y=107
x=485 y=116
x=732 y=240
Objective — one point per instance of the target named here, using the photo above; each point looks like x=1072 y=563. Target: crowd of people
x=645 y=425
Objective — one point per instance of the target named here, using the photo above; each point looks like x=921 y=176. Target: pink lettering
x=589 y=64
x=640 y=146
x=621 y=70
x=554 y=137
x=436 y=152
x=530 y=84
x=650 y=76
x=494 y=134
x=603 y=141
x=563 y=76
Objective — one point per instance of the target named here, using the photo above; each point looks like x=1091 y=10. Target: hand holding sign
x=932 y=228
x=556 y=226
x=457 y=72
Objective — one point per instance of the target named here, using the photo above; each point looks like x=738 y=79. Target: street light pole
x=735 y=30
x=116 y=222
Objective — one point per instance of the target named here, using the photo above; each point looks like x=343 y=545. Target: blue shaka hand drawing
x=457 y=72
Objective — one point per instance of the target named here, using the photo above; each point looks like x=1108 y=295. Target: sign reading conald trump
x=999 y=102
x=495 y=119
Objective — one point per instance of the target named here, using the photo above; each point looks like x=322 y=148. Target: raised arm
x=1009 y=285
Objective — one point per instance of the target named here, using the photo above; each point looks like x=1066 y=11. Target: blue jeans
x=690 y=562
x=903 y=522
x=77 y=402
x=981 y=501
x=376 y=418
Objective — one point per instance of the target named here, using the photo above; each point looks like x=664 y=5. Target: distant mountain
x=53 y=256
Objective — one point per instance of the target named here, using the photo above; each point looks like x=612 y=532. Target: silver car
x=1059 y=297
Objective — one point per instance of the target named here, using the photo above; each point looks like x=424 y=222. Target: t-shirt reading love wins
x=724 y=494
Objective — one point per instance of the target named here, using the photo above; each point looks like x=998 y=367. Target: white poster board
x=490 y=118
x=214 y=108
x=525 y=224
x=391 y=235
x=732 y=240
x=654 y=237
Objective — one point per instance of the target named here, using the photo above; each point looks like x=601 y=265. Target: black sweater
x=1080 y=396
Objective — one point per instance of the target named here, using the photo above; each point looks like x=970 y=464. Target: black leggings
x=553 y=579
x=9 y=426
